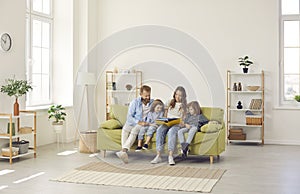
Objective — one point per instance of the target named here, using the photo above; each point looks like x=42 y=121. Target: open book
x=167 y=121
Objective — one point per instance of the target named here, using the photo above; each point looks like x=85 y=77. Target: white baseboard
x=282 y=142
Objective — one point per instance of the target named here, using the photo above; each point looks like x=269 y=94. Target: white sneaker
x=123 y=156
x=171 y=160
x=156 y=160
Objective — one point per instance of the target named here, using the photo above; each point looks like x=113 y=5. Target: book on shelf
x=168 y=121
x=255 y=104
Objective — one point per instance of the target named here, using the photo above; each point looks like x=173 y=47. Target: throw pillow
x=119 y=112
x=111 y=124
x=211 y=127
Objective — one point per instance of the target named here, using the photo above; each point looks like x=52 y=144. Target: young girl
x=192 y=123
x=156 y=111
x=175 y=109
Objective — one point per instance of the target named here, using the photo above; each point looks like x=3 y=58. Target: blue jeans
x=161 y=133
x=191 y=133
x=150 y=130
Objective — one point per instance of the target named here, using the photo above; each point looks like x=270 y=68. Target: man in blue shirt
x=137 y=111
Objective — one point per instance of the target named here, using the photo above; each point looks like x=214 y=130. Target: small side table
x=88 y=142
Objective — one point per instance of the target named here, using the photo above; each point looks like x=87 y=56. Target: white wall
x=228 y=29
x=223 y=27
x=13 y=61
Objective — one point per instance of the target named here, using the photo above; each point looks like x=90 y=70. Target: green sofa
x=209 y=142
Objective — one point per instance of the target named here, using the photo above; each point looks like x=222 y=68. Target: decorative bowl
x=253 y=88
x=128 y=86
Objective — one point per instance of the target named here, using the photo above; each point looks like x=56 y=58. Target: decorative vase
x=239 y=106
x=16 y=108
x=239 y=88
x=114 y=86
x=245 y=70
x=234 y=88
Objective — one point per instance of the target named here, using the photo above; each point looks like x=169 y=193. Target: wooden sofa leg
x=211 y=158
x=103 y=153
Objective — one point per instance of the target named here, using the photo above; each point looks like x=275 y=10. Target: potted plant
x=16 y=88
x=297 y=98
x=57 y=112
x=244 y=61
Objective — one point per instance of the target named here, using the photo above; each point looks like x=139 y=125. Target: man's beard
x=145 y=101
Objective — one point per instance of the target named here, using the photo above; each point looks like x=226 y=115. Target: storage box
x=25 y=130
x=236 y=131
x=253 y=120
x=6 y=151
x=237 y=137
x=22 y=145
x=88 y=142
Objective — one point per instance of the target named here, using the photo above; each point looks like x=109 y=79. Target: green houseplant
x=16 y=88
x=297 y=98
x=57 y=112
x=244 y=61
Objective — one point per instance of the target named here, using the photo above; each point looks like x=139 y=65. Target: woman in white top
x=176 y=108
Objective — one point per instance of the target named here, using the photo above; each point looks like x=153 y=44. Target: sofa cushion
x=111 y=124
x=211 y=127
x=119 y=112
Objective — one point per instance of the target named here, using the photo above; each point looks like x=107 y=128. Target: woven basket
x=253 y=120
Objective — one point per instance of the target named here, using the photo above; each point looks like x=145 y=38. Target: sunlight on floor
x=66 y=153
x=28 y=178
x=3 y=187
x=5 y=171
x=93 y=155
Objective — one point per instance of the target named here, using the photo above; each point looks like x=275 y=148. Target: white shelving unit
x=10 y=137
x=236 y=118
x=116 y=88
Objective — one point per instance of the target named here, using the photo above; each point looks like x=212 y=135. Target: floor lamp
x=84 y=79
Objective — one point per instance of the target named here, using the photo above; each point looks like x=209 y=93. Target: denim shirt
x=135 y=111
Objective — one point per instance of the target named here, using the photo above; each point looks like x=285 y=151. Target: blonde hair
x=155 y=103
x=195 y=105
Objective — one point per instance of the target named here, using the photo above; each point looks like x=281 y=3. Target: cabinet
x=31 y=115
x=246 y=123
x=122 y=88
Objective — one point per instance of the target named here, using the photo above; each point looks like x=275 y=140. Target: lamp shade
x=85 y=78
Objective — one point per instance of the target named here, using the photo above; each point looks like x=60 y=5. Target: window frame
x=282 y=19
x=30 y=16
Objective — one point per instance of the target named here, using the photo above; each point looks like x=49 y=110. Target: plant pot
x=16 y=108
x=57 y=126
x=245 y=70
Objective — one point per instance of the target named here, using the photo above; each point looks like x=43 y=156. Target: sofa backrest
x=119 y=112
x=213 y=114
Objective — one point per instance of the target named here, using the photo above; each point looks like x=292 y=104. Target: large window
x=39 y=50
x=290 y=49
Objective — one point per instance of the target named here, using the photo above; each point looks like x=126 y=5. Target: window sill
x=44 y=107
x=286 y=107
x=38 y=108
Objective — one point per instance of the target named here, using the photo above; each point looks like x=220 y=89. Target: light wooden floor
x=250 y=169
